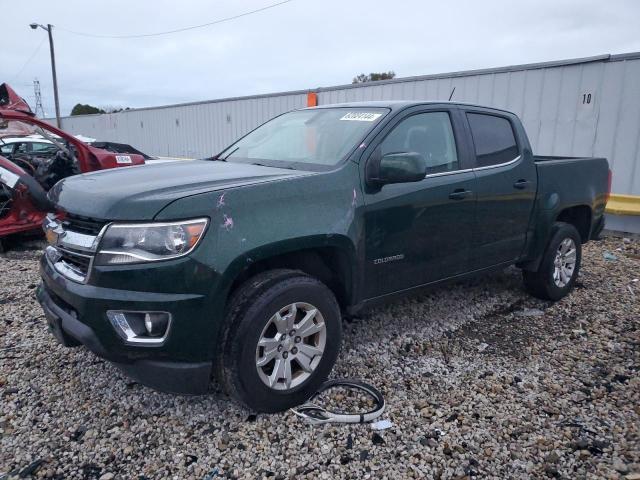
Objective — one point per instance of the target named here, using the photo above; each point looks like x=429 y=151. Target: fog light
x=156 y=323
x=145 y=328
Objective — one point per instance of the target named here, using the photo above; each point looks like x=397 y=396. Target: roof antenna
x=452 y=92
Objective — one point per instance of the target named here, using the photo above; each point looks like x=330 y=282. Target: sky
x=300 y=44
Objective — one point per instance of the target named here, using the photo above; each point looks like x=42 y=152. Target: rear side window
x=493 y=138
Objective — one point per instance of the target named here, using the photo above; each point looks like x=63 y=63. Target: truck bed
x=565 y=182
x=578 y=180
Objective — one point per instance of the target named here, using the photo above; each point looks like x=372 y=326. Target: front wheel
x=282 y=337
x=560 y=264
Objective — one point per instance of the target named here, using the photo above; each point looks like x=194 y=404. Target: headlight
x=148 y=242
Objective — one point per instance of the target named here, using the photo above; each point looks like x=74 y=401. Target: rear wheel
x=281 y=340
x=560 y=264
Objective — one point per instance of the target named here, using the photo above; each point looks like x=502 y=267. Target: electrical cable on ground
x=315 y=414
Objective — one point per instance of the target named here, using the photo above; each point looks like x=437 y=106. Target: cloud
x=302 y=44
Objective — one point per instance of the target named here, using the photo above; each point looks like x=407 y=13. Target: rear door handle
x=460 y=194
x=521 y=184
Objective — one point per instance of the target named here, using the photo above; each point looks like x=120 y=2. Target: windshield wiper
x=224 y=159
x=272 y=166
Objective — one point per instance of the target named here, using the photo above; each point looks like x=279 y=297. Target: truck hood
x=139 y=193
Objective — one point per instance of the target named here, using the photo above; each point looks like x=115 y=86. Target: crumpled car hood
x=139 y=193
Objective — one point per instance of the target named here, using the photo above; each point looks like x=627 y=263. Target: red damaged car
x=26 y=175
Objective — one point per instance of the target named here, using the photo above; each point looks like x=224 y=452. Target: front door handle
x=521 y=184
x=460 y=194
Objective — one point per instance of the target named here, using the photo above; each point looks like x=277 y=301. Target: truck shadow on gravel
x=449 y=310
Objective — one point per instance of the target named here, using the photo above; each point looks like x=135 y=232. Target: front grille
x=73 y=244
x=86 y=225
x=77 y=262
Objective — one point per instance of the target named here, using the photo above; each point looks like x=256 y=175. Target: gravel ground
x=481 y=381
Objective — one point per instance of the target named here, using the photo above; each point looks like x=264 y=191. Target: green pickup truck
x=238 y=267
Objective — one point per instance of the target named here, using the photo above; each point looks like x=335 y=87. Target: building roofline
x=462 y=73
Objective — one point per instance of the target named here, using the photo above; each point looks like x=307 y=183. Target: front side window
x=429 y=134
x=316 y=139
x=493 y=138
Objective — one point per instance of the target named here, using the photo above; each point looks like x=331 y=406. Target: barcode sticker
x=361 y=116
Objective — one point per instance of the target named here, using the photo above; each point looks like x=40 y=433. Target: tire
x=542 y=283
x=251 y=316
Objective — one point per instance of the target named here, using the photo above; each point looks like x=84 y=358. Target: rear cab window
x=493 y=138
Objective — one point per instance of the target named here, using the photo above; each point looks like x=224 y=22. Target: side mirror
x=401 y=167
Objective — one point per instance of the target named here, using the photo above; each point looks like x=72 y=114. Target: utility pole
x=49 y=28
x=38 y=96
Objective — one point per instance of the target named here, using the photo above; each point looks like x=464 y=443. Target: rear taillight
x=609 y=178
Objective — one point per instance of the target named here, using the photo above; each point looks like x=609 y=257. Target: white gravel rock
x=555 y=392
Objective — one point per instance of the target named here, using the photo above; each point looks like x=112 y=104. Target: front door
x=420 y=232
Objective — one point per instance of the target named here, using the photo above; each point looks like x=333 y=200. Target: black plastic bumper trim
x=191 y=378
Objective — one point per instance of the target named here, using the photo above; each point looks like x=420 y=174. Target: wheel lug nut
x=292 y=333
x=285 y=354
x=297 y=339
x=294 y=350
x=279 y=348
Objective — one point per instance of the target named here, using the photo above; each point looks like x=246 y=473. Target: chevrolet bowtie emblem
x=53 y=231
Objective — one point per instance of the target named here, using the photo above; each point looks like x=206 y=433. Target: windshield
x=314 y=139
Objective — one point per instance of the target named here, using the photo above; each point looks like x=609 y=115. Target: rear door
x=506 y=181
x=420 y=232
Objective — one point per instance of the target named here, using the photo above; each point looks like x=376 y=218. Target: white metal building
x=579 y=107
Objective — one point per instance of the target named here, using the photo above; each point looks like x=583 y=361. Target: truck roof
x=402 y=104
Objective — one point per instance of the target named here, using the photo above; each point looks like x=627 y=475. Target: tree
x=113 y=109
x=374 y=77
x=81 y=109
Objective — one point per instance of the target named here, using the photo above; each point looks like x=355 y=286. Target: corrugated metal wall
x=191 y=130
x=574 y=107
x=582 y=109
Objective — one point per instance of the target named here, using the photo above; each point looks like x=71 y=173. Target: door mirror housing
x=401 y=167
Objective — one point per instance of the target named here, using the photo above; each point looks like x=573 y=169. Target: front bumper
x=76 y=314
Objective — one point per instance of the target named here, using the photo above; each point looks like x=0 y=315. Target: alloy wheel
x=290 y=346
x=564 y=263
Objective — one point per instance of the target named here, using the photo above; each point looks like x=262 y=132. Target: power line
x=35 y=52
x=193 y=27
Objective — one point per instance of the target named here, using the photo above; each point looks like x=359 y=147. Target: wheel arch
x=330 y=259
x=579 y=216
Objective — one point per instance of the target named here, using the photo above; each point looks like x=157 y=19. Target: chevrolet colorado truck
x=238 y=267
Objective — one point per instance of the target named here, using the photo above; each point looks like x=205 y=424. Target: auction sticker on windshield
x=361 y=116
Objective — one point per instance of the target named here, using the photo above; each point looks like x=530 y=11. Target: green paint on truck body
x=367 y=241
